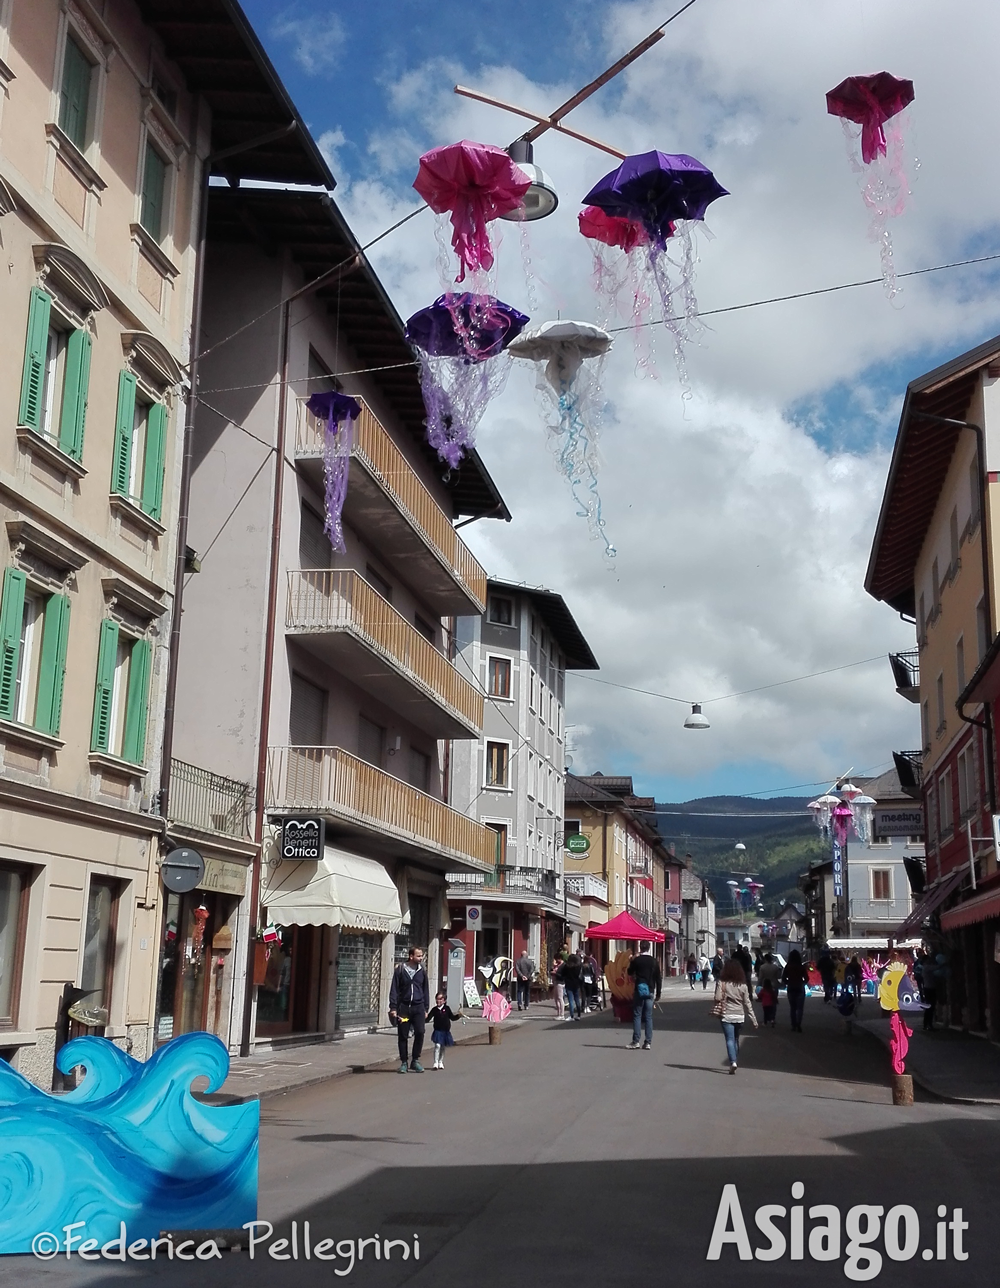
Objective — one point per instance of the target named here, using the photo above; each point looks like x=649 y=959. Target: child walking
x=441 y=1017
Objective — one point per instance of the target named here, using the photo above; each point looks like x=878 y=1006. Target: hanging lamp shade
x=541 y=198
x=696 y=720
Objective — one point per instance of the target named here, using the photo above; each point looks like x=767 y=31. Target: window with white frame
x=881 y=883
x=498 y=677
x=498 y=764
x=966 y=773
x=501 y=610
x=942 y=722
x=946 y=818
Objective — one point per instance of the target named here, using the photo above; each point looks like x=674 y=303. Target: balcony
x=906 y=673
x=200 y=799
x=516 y=883
x=894 y=910
x=391 y=817
x=397 y=515
x=339 y=618
x=586 y=886
x=910 y=767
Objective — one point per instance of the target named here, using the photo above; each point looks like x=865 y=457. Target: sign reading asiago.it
x=303 y=838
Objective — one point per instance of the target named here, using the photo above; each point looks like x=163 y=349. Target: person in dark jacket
x=572 y=978
x=795 y=978
x=441 y=1018
x=409 y=1002
x=644 y=971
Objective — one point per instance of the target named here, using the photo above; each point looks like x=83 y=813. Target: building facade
x=513 y=779
x=697 y=917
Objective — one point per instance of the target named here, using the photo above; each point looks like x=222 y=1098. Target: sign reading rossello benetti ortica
x=303 y=838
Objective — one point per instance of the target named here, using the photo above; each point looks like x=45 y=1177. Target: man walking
x=524 y=973
x=409 y=1002
x=644 y=971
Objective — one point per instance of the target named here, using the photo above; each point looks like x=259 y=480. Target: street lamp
x=696 y=720
x=541 y=198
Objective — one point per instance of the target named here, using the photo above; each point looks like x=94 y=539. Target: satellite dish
x=182 y=870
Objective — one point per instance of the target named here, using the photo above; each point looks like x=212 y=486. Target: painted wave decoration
x=130 y=1144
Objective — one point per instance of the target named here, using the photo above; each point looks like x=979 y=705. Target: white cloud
x=742 y=542
x=316 y=41
x=329 y=143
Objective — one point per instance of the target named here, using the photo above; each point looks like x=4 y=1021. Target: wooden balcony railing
x=386 y=462
x=332 y=781
x=341 y=600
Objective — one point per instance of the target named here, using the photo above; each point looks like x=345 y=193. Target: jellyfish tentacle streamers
x=338 y=412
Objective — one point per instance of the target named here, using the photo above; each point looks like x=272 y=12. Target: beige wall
x=68 y=814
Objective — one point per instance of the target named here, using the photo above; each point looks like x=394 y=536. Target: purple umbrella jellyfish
x=668 y=195
x=572 y=393
x=459 y=341
x=337 y=411
x=865 y=105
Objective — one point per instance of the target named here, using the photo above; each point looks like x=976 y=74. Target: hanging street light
x=541 y=198
x=696 y=720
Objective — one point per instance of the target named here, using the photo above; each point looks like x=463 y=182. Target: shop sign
x=898 y=822
x=303 y=838
x=224 y=877
x=472 y=997
x=674 y=909
x=578 y=843
x=838 y=872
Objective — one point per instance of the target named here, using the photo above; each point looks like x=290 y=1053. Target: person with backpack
x=409 y=1002
x=572 y=978
x=644 y=971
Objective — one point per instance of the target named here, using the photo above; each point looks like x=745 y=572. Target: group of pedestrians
x=410 y=1009
x=575 y=983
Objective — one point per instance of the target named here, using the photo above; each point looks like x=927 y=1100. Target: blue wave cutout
x=129 y=1144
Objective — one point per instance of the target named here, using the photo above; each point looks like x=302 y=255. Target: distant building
x=698 y=932
x=732 y=932
x=877 y=890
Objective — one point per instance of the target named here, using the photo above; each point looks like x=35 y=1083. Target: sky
x=743 y=516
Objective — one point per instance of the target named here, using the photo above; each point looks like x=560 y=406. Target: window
x=499 y=677
x=34 y=632
x=981 y=631
x=501 y=831
x=936 y=588
x=974 y=494
x=154 y=186
x=378 y=583
x=881 y=883
x=532 y=691
x=960 y=662
x=371 y=741
x=925 y=724
x=921 y=621
x=425 y=628
x=315 y=550
x=571 y=827
x=74 y=97
x=932 y=816
x=420 y=770
x=968 y=796
x=306 y=713
x=953 y=534
x=99 y=944
x=940 y=703
x=498 y=764
x=55 y=378
x=501 y=611
x=945 y=807
x=121 y=699
x=13 y=919
x=140 y=447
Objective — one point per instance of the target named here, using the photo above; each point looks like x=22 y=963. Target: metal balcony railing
x=879 y=909
x=381 y=456
x=331 y=781
x=906 y=673
x=341 y=600
x=910 y=767
x=507 y=880
x=201 y=799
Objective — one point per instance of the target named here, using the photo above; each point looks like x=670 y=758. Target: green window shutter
x=11 y=617
x=33 y=379
x=152 y=470
x=52 y=664
x=74 y=403
x=137 y=704
x=74 y=99
x=107 y=656
x=154 y=175
x=123 y=433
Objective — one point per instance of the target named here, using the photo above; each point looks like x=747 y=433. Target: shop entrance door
x=359 y=970
x=191 y=974
x=288 y=997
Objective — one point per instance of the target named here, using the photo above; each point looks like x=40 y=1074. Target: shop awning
x=625 y=926
x=340 y=889
x=971 y=911
x=932 y=898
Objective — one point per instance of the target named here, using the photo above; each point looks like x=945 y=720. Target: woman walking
x=692 y=969
x=795 y=978
x=558 y=988
x=768 y=977
x=733 y=1006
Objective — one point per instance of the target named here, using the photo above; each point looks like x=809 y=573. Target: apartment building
x=933 y=560
x=324 y=677
x=879 y=871
x=697 y=917
x=512 y=779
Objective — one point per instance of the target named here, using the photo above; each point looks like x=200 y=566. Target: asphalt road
x=561 y=1158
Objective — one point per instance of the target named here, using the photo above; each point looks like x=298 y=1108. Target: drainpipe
x=986 y=723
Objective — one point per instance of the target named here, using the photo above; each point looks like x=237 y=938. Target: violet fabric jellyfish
x=474 y=183
x=572 y=391
x=866 y=105
x=667 y=194
x=337 y=411
x=459 y=341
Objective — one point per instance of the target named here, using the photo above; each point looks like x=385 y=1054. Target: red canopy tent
x=625 y=926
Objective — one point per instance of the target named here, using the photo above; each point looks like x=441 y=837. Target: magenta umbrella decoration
x=866 y=105
x=338 y=411
x=621 y=273
x=474 y=183
x=460 y=341
x=667 y=194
